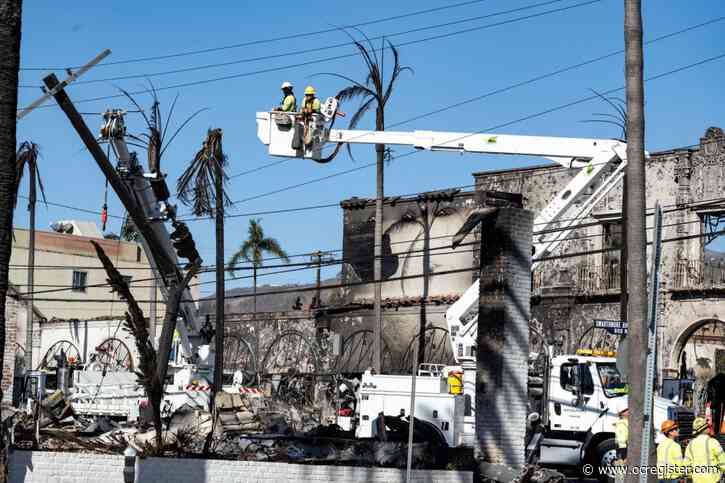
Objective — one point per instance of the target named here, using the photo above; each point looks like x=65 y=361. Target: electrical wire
x=322 y=60
x=265 y=41
x=296 y=53
x=403 y=277
x=407 y=254
x=667 y=209
x=451 y=106
x=489 y=129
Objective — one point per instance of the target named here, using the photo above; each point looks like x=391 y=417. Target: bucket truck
x=578 y=392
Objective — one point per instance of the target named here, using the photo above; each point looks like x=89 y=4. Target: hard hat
x=286 y=85
x=309 y=91
x=699 y=425
x=621 y=407
x=667 y=426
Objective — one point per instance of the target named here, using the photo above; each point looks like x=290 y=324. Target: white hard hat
x=621 y=405
x=286 y=85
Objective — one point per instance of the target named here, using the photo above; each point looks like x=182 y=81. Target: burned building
x=568 y=291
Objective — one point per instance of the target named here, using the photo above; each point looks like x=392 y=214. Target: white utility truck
x=580 y=391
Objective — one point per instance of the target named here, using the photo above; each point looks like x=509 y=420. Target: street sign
x=616 y=327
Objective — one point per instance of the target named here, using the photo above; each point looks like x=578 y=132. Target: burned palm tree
x=201 y=186
x=157 y=140
x=135 y=323
x=27 y=159
x=252 y=251
x=374 y=92
x=618 y=116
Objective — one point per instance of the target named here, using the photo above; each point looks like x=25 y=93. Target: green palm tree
x=374 y=91
x=252 y=251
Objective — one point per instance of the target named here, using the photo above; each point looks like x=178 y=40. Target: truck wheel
x=605 y=455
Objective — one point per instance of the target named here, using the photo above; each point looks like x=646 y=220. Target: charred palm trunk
x=10 y=16
x=378 y=248
x=219 y=326
x=32 y=198
x=635 y=229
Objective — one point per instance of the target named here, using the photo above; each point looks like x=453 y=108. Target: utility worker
x=706 y=459
x=289 y=101
x=670 y=463
x=310 y=106
x=310 y=103
x=621 y=430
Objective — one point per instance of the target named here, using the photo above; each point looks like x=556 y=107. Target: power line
x=492 y=128
x=318 y=49
x=403 y=277
x=445 y=108
x=274 y=39
x=407 y=254
x=519 y=84
x=327 y=59
x=671 y=208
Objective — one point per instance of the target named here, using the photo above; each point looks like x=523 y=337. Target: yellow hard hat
x=309 y=91
x=699 y=425
x=667 y=426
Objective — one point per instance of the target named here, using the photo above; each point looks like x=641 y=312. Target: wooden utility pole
x=166 y=266
x=623 y=256
x=378 y=251
x=636 y=228
x=32 y=198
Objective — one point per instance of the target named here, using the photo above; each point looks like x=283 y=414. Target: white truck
x=579 y=391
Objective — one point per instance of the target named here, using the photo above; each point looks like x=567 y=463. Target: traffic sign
x=616 y=327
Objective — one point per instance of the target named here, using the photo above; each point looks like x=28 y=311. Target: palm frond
x=234 y=261
x=271 y=245
x=26 y=157
x=397 y=70
x=195 y=187
x=180 y=128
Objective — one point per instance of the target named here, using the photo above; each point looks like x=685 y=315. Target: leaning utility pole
x=636 y=227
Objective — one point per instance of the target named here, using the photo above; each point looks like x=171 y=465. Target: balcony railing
x=584 y=279
x=698 y=274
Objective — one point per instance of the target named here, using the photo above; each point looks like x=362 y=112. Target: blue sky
x=447 y=70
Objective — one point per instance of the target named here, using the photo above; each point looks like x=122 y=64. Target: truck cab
x=579 y=401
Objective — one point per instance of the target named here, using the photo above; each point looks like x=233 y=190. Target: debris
x=99 y=425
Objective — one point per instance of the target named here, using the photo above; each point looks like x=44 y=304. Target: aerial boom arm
x=600 y=164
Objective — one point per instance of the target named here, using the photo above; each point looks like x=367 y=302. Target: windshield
x=612 y=381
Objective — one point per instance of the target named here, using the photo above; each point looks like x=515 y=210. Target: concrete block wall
x=12 y=307
x=503 y=336
x=35 y=467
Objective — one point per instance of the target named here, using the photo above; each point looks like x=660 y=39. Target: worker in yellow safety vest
x=705 y=456
x=310 y=106
x=621 y=430
x=310 y=103
x=670 y=463
x=289 y=101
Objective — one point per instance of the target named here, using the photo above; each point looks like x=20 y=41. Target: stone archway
x=690 y=333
